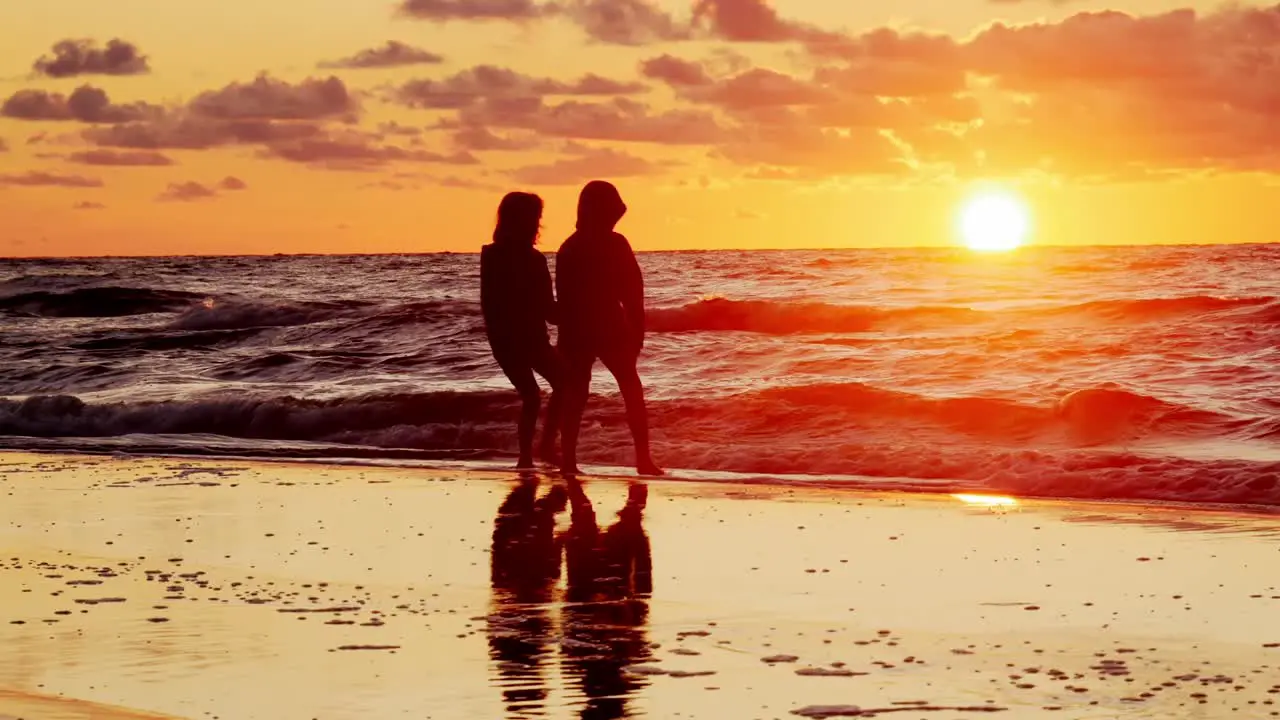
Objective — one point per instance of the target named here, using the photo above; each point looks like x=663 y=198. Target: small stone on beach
x=826 y=672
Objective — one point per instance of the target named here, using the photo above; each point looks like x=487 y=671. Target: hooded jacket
x=599 y=284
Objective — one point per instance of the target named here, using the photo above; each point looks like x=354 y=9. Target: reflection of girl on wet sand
x=525 y=568
x=610 y=578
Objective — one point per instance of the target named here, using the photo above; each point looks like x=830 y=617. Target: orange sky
x=252 y=127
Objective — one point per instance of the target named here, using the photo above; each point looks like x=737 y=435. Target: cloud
x=620 y=119
x=384 y=184
x=754 y=21
x=896 y=114
x=824 y=126
x=475 y=10
x=806 y=128
x=617 y=22
x=633 y=22
x=120 y=159
x=787 y=139
x=1097 y=95
x=625 y=22
x=760 y=88
x=354 y=151
x=487 y=82
x=587 y=164
x=85 y=104
x=676 y=72
x=88 y=205
x=1108 y=95
x=843 y=119
x=896 y=76
x=888 y=45
x=187 y=132
x=4 y=145
x=190 y=191
x=84 y=57
x=393 y=54
x=44 y=179
x=263 y=111
x=268 y=98
x=873 y=85
x=453 y=181
x=414 y=180
x=475 y=137
x=395 y=129
x=1098 y=47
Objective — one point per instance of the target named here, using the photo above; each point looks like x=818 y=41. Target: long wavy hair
x=519 y=220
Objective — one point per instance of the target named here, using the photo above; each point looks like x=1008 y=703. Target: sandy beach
x=143 y=588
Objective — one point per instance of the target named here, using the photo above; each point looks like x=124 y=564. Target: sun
x=994 y=222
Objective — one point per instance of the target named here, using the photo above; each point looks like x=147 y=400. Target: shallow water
x=1083 y=372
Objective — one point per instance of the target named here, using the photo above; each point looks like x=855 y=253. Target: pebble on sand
x=828 y=711
x=827 y=672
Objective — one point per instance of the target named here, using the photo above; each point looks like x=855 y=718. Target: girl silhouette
x=601 y=290
x=517 y=300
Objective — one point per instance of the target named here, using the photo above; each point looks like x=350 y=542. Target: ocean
x=1122 y=373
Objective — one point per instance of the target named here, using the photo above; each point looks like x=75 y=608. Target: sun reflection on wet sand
x=990 y=501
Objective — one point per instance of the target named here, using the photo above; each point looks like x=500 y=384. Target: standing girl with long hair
x=518 y=302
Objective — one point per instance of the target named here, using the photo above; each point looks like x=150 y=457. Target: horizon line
x=1028 y=246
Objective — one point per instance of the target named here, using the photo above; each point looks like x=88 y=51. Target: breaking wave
x=847 y=429
x=94 y=302
x=785 y=318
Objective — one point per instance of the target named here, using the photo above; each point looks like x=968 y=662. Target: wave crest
x=785 y=318
x=1166 y=307
x=1102 y=414
x=91 y=302
x=239 y=314
x=281 y=418
x=847 y=430
x=780 y=317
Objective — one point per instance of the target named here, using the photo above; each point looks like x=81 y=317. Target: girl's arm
x=631 y=288
x=550 y=309
x=488 y=289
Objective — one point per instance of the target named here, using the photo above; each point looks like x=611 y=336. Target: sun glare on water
x=994 y=222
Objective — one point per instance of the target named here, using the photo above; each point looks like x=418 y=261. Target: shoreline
x=505 y=466
x=190 y=588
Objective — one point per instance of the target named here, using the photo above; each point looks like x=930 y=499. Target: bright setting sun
x=994 y=221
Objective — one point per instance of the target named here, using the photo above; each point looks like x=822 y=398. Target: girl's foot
x=648 y=468
x=525 y=463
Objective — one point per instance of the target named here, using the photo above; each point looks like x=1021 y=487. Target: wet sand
x=250 y=590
